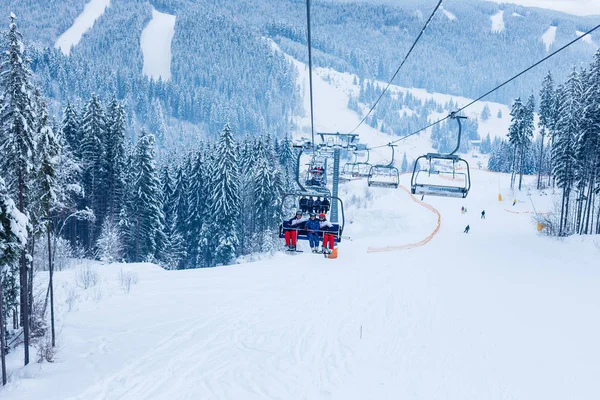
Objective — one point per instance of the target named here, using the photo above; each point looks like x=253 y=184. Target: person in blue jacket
x=313 y=226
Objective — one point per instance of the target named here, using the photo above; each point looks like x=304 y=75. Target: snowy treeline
x=462 y=56
x=38 y=173
x=247 y=84
x=244 y=83
x=83 y=181
x=568 y=146
x=220 y=202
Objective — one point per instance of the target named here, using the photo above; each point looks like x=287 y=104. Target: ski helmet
x=322 y=216
x=312 y=214
x=299 y=212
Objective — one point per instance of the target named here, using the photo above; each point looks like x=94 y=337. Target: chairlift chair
x=290 y=201
x=384 y=175
x=442 y=174
x=356 y=169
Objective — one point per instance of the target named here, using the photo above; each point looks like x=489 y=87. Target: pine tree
x=115 y=157
x=546 y=122
x=404 y=165
x=17 y=124
x=71 y=128
x=588 y=148
x=198 y=207
x=93 y=155
x=109 y=247
x=486 y=113
x=225 y=198
x=181 y=204
x=486 y=145
x=174 y=245
x=147 y=206
x=48 y=150
x=13 y=237
x=567 y=128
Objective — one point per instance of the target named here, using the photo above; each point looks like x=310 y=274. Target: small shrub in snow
x=86 y=277
x=110 y=243
x=45 y=351
x=71 y=298
x=127 y=279
x=97 y=293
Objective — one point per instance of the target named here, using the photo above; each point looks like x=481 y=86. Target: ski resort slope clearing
x=497 y=313
x=575 y=7
x=83 y=23
x=156 y=45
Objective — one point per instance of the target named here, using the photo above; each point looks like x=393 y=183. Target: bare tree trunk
x=522 y=162
x=541 y=163
x=30 y=286
x=590 y=202
x=2 y=344
x=23 y=277
x=562 y=214
x=51 y=285
x=514 y=168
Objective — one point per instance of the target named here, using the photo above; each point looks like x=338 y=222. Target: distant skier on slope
x=514 y=202
x=483 y=214
x=291 y=234
x=313 y=226
x=467 y=229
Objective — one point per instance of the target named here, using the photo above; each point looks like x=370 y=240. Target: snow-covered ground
x=156 y=45
x=332 y=90
x=587 y=39
x=548 y=37
x=575 y=7
x=448 y=14
x=498 y=22
x=499 y=313
x=84 y=22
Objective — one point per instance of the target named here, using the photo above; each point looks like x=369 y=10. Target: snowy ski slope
x=156 y=45
x=498 y=313
x=83 y=23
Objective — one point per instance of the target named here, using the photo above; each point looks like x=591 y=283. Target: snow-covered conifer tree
x=17 y=130
x=13 y=237
x=93 y=155
x=225 y=198
x=147 y=213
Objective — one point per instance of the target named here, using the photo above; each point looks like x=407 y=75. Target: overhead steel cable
x=400 y=67
x=310 y=75
x=491 y=91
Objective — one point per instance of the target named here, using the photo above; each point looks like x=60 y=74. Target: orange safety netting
x=417 y=244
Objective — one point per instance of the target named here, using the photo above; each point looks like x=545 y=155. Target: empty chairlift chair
x=446 y=175
x=356 y=169
x=384 y=175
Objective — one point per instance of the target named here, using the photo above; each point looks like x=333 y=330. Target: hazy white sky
x=576 y=7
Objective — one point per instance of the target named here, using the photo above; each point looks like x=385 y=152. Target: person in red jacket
x=291 y=235
x=328 y=238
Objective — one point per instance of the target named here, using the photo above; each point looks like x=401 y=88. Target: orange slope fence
x=417 y=244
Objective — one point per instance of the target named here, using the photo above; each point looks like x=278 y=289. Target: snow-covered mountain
x=115 y=46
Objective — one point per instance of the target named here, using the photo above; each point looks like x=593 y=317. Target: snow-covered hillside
x=548 y=37
x=333 y=89
x=84 y=22
x=498 y=313
x=575 y=7
x=498 y=22
x=587 y=39
x=156 y=45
